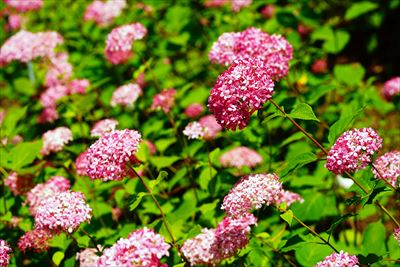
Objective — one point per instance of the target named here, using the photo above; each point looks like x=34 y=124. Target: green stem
x=92 y=239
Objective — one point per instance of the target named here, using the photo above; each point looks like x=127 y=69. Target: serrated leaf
x=288 y=217
x=138 y=199
x=58 y=257
x=358 y=9
x=303 y=111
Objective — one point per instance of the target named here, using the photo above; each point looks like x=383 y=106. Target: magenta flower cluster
x=119 y=42
x=62 y=212
x=18 y=185
x=107 y=157
x=239 y=92
x=55 y=140
x=102 y=127
x=342 y=259
x=164 y=100
x=126 y=95
x=391 y=88
x=387 y=167
x=103 y=13
x=353 y=150
x=239 y=157
x=142 y=247
x=35 y=240
x=194 y=110
x=5 y=252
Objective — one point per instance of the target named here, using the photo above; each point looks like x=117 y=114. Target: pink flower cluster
x=239 y=92
x=142 y=247
x=55 y=185
x=126 y=95
x=25 y=46
x=119 y=42
x=24 y=5
x=213 y=245
x=5 y=252
x=319 y=66
x=81 y=164
x=64 y=211
x=342 y=259
x=18 y=185
x=108 y=156
x=194 y=110
x=273 y=50
x=164 y=100
x=60 y=70
x=55 y=140
x=236 y=5
x=52 y=94
x=239 y=157
x=396 y=234
x=207 y=128
x=102 y=127
x=391 y=88
x=15 y=21
x=194 y=130
x=288 y=197
x=252 y=191
x=353 y=150
x=103 y=13
x=87 y=257
x=35 y=240
x=387 y=167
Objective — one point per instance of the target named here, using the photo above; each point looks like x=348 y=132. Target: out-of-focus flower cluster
x=207 y=128
x=103 y=13
x=55 y=140
x=18 y=185
x=88 y=257
x=126 y=95
x=353 y=150
x=236 y=5
x=239 y=157
x=102 y=127
x=164 y=100
x=391 y=88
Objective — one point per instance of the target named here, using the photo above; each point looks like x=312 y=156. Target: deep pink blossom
x=49 y=114
x=239 y=92
x=142 y=247
x=194 y=110
x=319 y=66
x=88 y=257
x=391 y=88
x=81 y=164
x=126 y=95
x=64 y=211
x=342 y=259
x=55 y=185
x=353 y=150
x=102 y=127
x=78 y=86
x=24 y=5
x=273 y=50
x=104 y=12
x=35 y=240
x=251 y=192
x=387 y=167
x=55 y=140
x=15 y=21
x=25 y=46
x=119 y=42
x=18 y=185
x=268 y=11
x=109 y=155
x=164 y=100
x=239 y=157
x=5 y=252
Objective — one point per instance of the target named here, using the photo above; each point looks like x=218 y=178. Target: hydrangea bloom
x=5 y=252
x=108 y=157
x=53 y=186
x=143 y=247
x=102 y=127
x=239 y=157
x=119 y=42
x=24 y=5
x=268 y=11
x=194 y=130
x=391 y=88
x=15 y=21
x=35 y=240
x=214 y=245
x=25 y=46
x=18 y=185
x=81 y=164
x=52 y=94
x=164 y=100
x=87 y=257
x=273 y=50
x=78 y=86
x=288 y=197
x=252 y=191
x=237 y=5
x=353 y=150
x=194 y=110
x=103 y=13
x=319 y=66
x=64 y=211
x=126 y=95
x=59 y=71
x=55 y=140
x=397 y=234
x=387 y=167
x=239 y=92
x=211 y=126
x=342 y=259
x=49 y=114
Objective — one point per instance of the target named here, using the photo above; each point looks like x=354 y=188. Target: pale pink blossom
x=102 y=127
x=126 y=95
x=104 y=12
x=239 y=157
x=211 y=126
x=18 y=185
x=391 y=88
x=24 y=5
x=59 y=70
x=55 y=140
x=289 y=198
x=88 y=257
x=194 y=130
x=342 y=259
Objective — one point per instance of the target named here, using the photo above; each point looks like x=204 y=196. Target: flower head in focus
x=387 y=167
x=55 y=140
x=102 y=127
x=126 y=95
x=35 y=240
x=164 y=100
x=391 y=88
x=342 y=259
x=108 y=156
x=353 y=150
x=239 y=157
x=5 y=252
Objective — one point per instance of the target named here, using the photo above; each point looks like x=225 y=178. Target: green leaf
x=358 y=9
x=13 y=116
x=161 y=176
x=163 y=161
x=298 y=162
x=24 y=86
x=24 y=154
x=137 y=200
x=374 y=239
x=311 y=253
x=206 y=176
x=337 y=223
x=288 y=217
x=350 y=74
x=83 y=241
x=342 y=125
x=303 y=111
x=316 y=206
x=58 y=257
x=337 y=43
